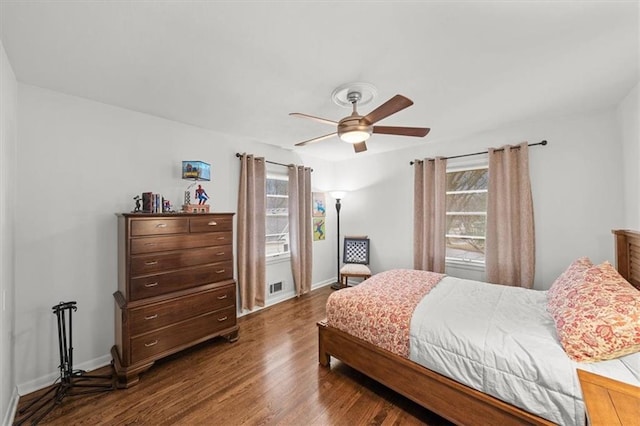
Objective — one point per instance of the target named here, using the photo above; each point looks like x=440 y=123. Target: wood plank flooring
x=270 y=376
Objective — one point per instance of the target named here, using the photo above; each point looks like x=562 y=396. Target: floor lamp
x=338 y=195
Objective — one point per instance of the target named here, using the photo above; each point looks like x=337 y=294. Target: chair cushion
x=356 y=269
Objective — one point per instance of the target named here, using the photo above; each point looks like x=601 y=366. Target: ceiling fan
x=356 y=129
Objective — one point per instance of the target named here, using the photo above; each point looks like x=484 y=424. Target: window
x=277 y=221
x=466 y=205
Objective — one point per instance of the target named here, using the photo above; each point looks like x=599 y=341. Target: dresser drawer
x=182 y=333
x=179 y=242
x=211 y=224
x=159 y=226
x=155 y=285
x=158 y=262
x=159 y=315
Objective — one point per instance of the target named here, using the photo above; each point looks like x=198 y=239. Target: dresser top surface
x=177 y=214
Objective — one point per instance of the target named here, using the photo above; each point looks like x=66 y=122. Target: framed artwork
x=319 y=205
x=318 y=228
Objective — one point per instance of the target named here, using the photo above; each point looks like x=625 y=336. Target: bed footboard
x=448 y=398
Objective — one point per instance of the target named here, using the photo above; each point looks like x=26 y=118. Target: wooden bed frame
x=446 y=397
x=628 y=255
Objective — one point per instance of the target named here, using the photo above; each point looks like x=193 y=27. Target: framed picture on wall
x=319 y=204
x=318 y=228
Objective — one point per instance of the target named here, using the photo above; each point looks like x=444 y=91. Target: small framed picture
x=319 y=204
x=318 y=228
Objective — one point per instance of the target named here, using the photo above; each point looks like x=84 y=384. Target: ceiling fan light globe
x=355 y=136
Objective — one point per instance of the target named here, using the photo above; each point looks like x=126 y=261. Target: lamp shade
x=196 y=170
x=338 y=195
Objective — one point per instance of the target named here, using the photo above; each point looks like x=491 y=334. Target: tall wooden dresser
x=175 y=287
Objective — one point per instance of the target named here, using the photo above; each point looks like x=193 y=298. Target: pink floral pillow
x=601 y=317
x=572 y=276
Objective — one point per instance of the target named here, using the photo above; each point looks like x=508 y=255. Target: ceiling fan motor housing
x=353 y=129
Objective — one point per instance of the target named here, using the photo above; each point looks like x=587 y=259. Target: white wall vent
x=275 y=287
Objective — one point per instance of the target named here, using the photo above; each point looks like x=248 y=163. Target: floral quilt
x=379 y=310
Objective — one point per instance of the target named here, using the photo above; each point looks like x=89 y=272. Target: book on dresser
x=175 y=287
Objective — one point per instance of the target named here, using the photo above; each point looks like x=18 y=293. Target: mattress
x=501 y=340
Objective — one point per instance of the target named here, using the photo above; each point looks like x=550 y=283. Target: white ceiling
x=240 y=67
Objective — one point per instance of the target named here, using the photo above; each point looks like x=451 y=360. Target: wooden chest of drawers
x=175 y=287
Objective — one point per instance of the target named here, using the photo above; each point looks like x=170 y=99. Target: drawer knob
x=222 y=297
x=222 y=319
x=221 y=238
x=149 y=244
x=212 y=223
x=161 y=225
x=152 y=262
x=150 y=317
x=220 y=271
x=148 y=345
x=151 y=284
x=220 y=254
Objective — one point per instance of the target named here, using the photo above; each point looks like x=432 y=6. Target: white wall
x=576 y=189
x=8 y=142
x=81 y=162
x=629 y=119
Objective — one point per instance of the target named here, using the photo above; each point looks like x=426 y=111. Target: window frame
x=281 y=256
x=457 y=261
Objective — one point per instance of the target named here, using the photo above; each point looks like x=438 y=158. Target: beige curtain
x=429 y=214
x=510 y=247
x=300 y=231
x=251 y=231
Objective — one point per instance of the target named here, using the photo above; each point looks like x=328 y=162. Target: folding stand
x=70 y=379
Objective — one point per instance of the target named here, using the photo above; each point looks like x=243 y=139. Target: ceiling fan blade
x=321 y=120
x=360 y=147
x=318 y=139
x=393 y=105
x=402 y=131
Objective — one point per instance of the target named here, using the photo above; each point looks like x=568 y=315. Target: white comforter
x=501 y=340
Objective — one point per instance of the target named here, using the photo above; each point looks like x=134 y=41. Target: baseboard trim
x=284 y=298
x=44 y=381
x=323 y=283
x=12 y=408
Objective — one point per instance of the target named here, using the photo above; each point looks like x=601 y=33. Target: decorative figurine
x=138 y=208
x=201 y=195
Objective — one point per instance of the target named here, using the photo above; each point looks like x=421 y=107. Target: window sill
x=280 y=258
x=462 y=264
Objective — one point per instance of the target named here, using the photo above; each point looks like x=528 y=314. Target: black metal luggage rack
x=71 y=382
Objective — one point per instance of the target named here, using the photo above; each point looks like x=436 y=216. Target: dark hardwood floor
x=269 y=376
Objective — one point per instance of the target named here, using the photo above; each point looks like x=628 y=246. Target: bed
x=398 y=365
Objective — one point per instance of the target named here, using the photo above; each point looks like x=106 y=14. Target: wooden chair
x=355 y=257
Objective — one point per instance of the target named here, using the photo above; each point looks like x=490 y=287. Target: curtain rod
x=543 y=143
x=270 y=162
